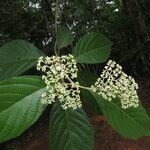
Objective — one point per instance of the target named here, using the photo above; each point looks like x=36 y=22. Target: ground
x=36 y=138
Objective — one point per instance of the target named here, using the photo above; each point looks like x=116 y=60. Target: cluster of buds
x=114 y=83
x=60 y=71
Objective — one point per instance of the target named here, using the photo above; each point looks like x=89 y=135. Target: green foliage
x=22 y=20
x=87 y=78
x=63 y=37
x=92 y=48
x=132 y=123
x=20 y=105
x=16 y=57
x=20 y=97
x=70 y=129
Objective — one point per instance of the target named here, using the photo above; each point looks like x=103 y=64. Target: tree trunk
x=136 y=18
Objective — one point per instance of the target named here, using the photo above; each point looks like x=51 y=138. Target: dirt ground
x=36 y=138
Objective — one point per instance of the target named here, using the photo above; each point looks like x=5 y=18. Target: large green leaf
x=63 y=37
x=131 y=123
x=16 y=57
x=20 y=105
x=70 y=130
x=92 y=48
x=87 y=78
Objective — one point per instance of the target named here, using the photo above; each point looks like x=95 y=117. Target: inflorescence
x=61 y=71
x=59 y=75
x=114 y=83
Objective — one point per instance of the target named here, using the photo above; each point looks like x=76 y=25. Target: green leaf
x=70 y=130
x=131 y=123
x=20 y=105
x=16 y=57
x=92 y=48
x=63 y=37
x=87 y=78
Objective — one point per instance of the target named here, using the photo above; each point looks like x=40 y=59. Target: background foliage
x=125 y=22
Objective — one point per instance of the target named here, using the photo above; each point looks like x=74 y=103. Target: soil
x=36 y=138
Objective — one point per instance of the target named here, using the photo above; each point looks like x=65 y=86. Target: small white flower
x=57 y=71
x=113 y=82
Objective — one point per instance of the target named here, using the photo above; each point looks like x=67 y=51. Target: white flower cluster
x=59 y=75
x=113 y=82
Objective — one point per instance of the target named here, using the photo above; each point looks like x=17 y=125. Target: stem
x=86 y=88
x=56 y=15
x=82 y=87
x=70 y=80
x=55 y=49
x=55 y=25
